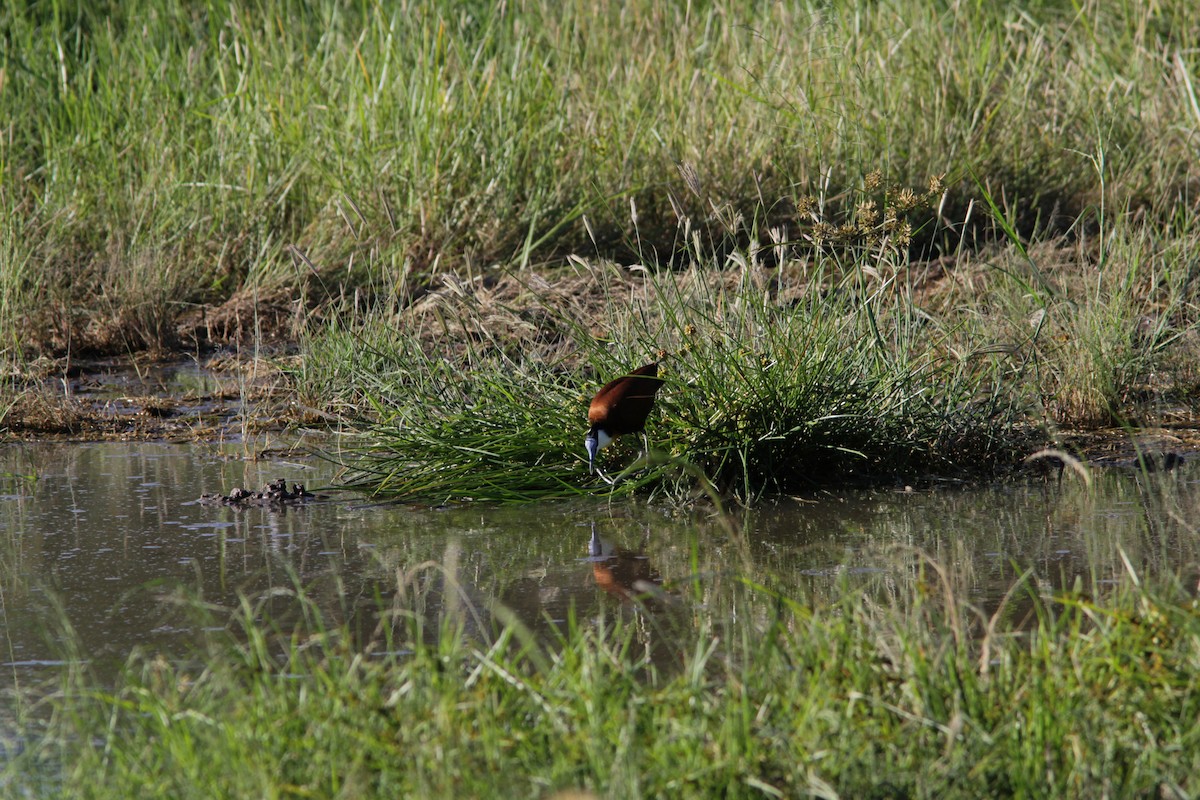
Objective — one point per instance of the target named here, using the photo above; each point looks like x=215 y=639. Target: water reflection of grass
x=914 y=696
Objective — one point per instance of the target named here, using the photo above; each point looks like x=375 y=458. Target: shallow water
x=106 y=539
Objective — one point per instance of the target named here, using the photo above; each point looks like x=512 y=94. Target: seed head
x=687 y=171
x=905 y=200
x=866 y=214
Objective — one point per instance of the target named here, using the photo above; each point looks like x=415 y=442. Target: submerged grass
x=916 y=696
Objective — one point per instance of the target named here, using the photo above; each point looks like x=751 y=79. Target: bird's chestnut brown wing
x=622 y=405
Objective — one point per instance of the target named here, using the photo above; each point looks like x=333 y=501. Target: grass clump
x=844 y=381
x=918 y=697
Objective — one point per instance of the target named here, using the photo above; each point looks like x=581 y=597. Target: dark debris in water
x=275 y=493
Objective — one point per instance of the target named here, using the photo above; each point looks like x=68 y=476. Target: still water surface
x=99 y=541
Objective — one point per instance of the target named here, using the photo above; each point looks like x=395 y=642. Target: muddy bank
x=223 y=398
x=221 y=395
x=218 y=398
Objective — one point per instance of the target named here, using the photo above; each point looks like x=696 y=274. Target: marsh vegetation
x=905 y=262
x=886 y=244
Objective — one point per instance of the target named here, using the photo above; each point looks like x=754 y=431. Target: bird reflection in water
x=661 y=621
x=625 y=574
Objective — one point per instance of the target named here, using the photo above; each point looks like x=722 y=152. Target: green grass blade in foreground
x=904 y=694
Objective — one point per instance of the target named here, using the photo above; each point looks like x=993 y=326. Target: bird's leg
x=645 y=449
x=605 y=478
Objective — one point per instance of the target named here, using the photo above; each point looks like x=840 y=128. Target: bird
x=621 y=406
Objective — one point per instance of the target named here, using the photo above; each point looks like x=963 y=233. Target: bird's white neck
x=602 y=438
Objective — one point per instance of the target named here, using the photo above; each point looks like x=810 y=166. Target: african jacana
x=621 y=406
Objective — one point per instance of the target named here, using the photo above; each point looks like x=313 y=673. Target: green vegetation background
x=985 y=212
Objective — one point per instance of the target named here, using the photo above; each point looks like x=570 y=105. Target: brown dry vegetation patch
x=111 y=400
x=270 y=316
x=534 y=313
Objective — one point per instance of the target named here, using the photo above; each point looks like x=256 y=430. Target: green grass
x=846 y=384
x=911 y=694
x=340 y=161
x=160 y=154
x=850 y=365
